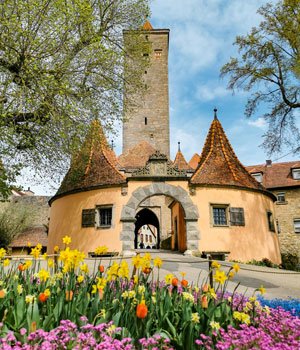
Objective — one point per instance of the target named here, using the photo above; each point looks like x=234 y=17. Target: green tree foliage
x=14 y=218
x=62 y=65
x=269 y=65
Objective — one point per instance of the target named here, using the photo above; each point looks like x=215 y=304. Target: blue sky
x=201 y=36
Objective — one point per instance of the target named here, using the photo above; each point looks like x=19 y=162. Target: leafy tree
x=14 y=218
x=270 y=66
x=61 y=65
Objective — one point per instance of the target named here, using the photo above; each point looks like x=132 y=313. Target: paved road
x=278 y=283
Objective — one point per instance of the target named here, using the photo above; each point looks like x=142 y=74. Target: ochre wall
x=252 y=241
x=66 y=211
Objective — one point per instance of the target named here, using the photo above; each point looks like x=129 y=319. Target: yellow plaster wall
x=252 y=241
x=65 y=219
x=66 y=211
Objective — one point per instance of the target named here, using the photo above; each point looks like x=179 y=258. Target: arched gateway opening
x=179 y=195
x=146 y=233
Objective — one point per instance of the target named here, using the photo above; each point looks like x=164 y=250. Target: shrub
x=290 y=261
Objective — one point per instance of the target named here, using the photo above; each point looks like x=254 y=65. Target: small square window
x=281 y=197
x=220 y=215
x=297 y=225
x=296 y=174
x=104 y=216
x=270 y=221
x=258 y=177
x=157 y=53
x=278 y=226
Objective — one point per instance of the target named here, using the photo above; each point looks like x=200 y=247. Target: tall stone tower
x=149 y=119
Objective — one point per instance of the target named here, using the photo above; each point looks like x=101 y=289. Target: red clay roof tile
x=277 y=175
x=218 y=163
x=95 y=164
x=136 y=156
x=193 y=163
x=180 y=162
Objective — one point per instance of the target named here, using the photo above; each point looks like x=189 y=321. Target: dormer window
x=258 y=177
x=296 y=173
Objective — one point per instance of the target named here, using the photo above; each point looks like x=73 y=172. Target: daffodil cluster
x=71 y=258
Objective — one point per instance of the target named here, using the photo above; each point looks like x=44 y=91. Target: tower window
x=146 y=72
x=104 y=216
x=146 y=121
x=145 y=54
x=157 y=53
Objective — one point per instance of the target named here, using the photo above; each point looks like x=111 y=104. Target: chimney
x=269 y=162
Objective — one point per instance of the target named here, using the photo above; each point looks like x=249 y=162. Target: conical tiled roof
x=95 y=164
x=147 y=26
x=193 y=163
x=136 y=156
x=180 y=162
x=218 y=163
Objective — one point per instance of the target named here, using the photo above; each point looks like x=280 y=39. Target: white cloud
x=259 y=123
x=211 y=92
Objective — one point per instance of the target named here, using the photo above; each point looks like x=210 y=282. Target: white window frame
x=278 y=197
x=296 y=173
x=258 y=176
x=297 y=225
x=98 y=215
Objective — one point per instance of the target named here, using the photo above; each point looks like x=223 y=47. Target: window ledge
x=220 y=225
x=282 y=203
x=104 y=227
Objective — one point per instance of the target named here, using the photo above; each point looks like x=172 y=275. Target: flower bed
x=64 y=305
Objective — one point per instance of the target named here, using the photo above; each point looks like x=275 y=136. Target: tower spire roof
x=147 y=26
x=219 y=164
x=94 y=165
x=180 y=161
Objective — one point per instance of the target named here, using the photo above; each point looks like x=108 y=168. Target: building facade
x=283 y=180
x=211 y=204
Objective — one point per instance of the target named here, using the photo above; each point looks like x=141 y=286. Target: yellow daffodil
x=101 y=250
x=29 y=244
x=137 y=261
x=2 y=253
x=6 y=262
x=45 y=256
x=123 y=270
x=262 y=290
x=47 y=292
x=141 y=289
x=80 y=279
x=56 y=249
x=168 y=278
x=195 y=317
x=27 y=264
x=220 y=276
x=43 y=275
x=50 y=263
x=231 y=274
x=215 y=325
x=35 y=252
x=212 y=293
x=29 y=299
x=236 y=267
x=215 y=265
x=20 y=288
x=84 y=268
x=242 y=317
x=67 y=240
x=135 y=279
x=157 y=262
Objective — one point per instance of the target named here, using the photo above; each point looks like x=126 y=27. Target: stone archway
x=160 y=188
